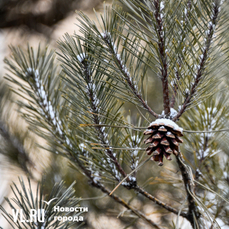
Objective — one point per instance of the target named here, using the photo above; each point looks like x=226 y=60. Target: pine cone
x=164 y=139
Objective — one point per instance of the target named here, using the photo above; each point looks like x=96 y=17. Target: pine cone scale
x=168 y=150
x=179 y=140
x=155 y=143
x=165 y=142
x=157 y=136
x=175 y=142
x=148 y=140
x=170 y=135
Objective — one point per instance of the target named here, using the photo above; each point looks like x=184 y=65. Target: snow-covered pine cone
x=164 y=139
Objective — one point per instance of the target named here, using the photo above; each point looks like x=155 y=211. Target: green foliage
x=187 y=30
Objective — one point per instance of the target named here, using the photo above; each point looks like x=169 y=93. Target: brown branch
x=203 y=59
x=193 y=214
x=109 y=152
x=100 y=186
x=162 y=56
x=149 y=196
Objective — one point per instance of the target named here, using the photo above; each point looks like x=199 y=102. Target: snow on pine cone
x=164 y=139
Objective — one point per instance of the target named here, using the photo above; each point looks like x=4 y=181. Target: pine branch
x=95 y=70
x=104 y=142
x=90 y=176
x=107 y=39
x=158 y=7
x=59 y=133
x=212 y=114
x=101 y=187
x=47 y=109
x=203 y=58
x=94 y=107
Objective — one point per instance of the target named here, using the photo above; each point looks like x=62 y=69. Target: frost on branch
x=164 y=139
x=81 y=57
x=47 y=109
x=173 y=113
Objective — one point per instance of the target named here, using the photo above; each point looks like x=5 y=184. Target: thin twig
x=112 y=126
x=205 y=131
x=109 y=147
